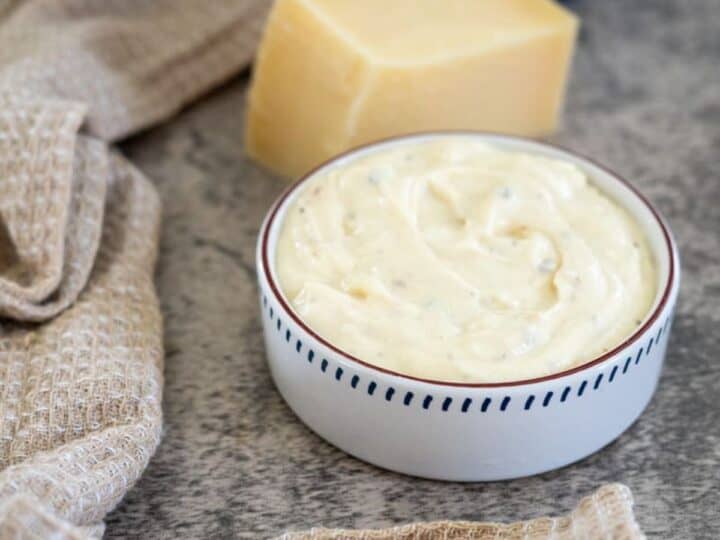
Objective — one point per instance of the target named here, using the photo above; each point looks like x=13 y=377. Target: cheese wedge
x=334 y=74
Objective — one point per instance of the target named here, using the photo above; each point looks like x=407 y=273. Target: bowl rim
x=627 y=342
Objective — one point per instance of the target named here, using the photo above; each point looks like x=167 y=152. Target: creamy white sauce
x=456 y=261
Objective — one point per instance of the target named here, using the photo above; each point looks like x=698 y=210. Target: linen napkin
x=605 y=515
x=133 y=63
x=80 y=328
x=80 y=394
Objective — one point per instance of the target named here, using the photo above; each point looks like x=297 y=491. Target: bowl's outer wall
x=461 y=432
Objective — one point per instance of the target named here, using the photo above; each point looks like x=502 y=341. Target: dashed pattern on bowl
x=449 y=404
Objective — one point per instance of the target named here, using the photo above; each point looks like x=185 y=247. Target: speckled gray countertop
x=235 y=462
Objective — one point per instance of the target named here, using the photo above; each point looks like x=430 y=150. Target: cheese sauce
x=453 y=260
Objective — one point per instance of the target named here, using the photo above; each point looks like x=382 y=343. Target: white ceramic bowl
x=461 y=431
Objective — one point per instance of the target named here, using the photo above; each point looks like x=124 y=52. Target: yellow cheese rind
x=332 y=74
x=305 y=81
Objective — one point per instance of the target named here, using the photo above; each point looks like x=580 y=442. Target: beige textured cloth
x=605 y=515
x=132 y=62
x=80 y=328
x=80 y=395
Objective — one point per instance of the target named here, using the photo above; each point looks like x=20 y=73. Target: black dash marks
x=408 y=398
x=547 y=399
x=582 y=388
x=466 y=405
x=311 y=355
x=389 y=393
x=565 y=394
x=598 y=381
x=323 y=365
x=529 y=402
x=298 y=345
x=427 y=401
x=612 y=374
x=371 y=388
x=446 y=403
x=354 y=381
x=505 y=403
x=338 y=373
x=485 y=404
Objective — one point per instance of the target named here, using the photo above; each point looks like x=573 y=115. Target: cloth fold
x=605 y=515
x=52 y=208
x=132 y=62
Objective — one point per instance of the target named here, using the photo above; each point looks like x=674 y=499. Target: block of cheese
x=334 y=74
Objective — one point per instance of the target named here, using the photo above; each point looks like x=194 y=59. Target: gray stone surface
x=235 y=462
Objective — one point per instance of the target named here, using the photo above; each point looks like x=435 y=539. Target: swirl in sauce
x=453 y=260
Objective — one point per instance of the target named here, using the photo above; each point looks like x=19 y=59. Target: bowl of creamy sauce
x=455 y=260
x=491 y=277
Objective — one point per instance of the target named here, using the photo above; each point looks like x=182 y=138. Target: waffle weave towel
x=80 y=328
x=604 y=515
